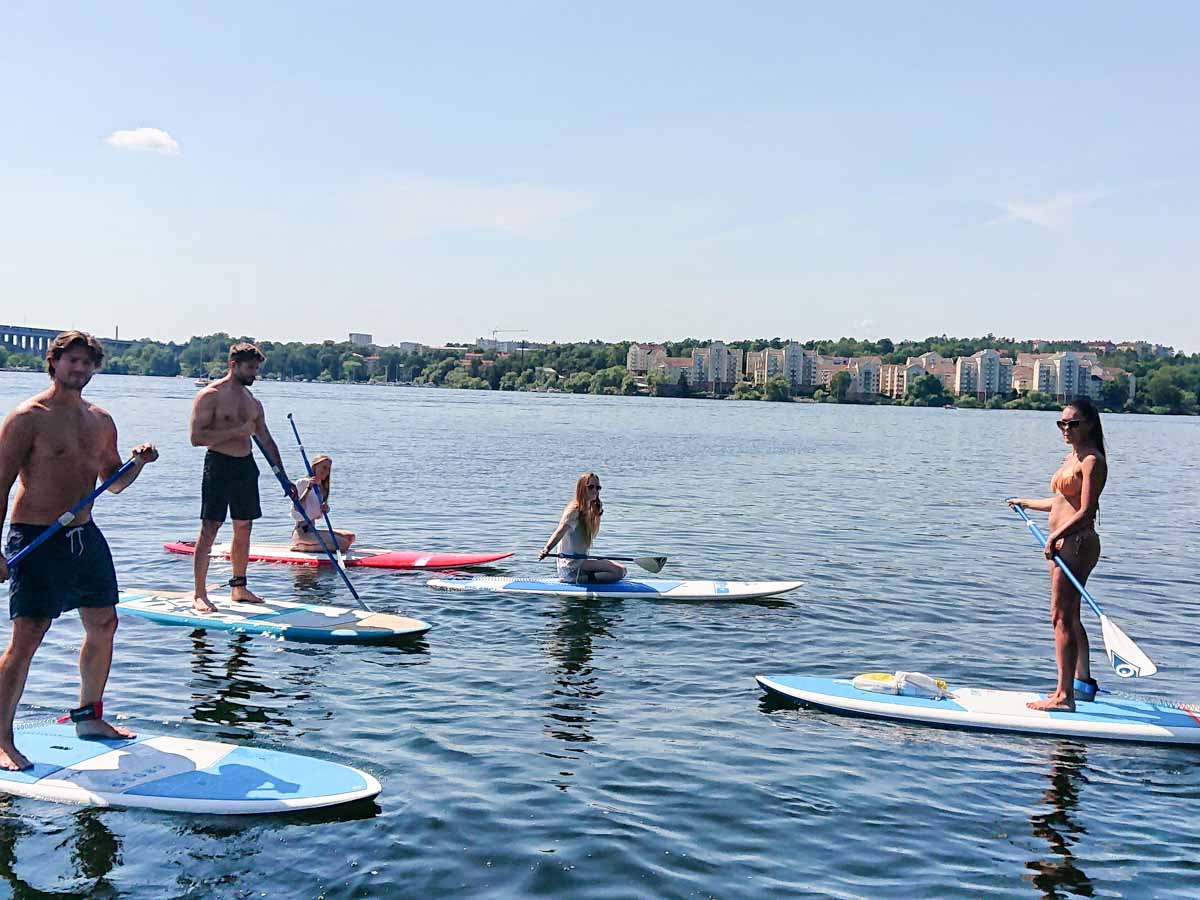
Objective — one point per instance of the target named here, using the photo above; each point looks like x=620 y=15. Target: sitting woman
x=303 y=538
x=576 y=530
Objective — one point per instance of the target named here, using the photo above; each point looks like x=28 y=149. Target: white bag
x=908 y=684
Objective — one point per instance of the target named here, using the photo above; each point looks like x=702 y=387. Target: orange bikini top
x=1068 y=480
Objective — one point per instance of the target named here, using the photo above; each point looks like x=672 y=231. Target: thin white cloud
x=1054 y=212
x=420 y=206
x=150 y=140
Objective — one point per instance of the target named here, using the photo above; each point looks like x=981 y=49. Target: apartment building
x=671 y=367
x=643 y=358
x=717 y=366
x=983 y=374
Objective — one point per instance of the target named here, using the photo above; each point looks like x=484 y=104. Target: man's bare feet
x=12 y=759
x=1053 y=703
x=98 y=728
x=245 y=595
x=201 y=603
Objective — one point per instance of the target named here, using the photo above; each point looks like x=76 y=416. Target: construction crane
x=496 y=331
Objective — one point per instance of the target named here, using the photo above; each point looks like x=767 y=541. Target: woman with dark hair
x=576 y=530
x=1077 y=486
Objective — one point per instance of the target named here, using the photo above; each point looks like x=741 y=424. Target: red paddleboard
x=355 y=558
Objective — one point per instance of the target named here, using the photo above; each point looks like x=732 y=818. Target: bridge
x=19 y=339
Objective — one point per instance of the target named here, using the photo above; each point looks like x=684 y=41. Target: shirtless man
x=59 y=444
x=224 y=417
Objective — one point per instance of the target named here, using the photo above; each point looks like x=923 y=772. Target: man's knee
x=241 y=527
x=208 y=534
x=27 y=634
x=99 y=621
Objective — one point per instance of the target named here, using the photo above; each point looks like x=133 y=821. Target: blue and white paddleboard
x=177 y=774
x=650 y=588
x=307 y=622
x=1108 y=717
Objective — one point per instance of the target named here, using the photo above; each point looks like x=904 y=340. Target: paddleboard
x=1108 y=717
x=650 y=588
x=177 y=774
x=361 y=558
x=309 y=622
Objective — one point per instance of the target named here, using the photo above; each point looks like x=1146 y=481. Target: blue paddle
x=1126 y=657
x=66 y=518
x=287 y=489
x=317 y=490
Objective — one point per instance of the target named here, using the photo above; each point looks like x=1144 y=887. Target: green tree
x=926 y=390
x=744 y=390
x=839 y=384
x=779 y=389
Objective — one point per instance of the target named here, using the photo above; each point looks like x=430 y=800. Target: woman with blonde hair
x=576 y=530
x=303 y=538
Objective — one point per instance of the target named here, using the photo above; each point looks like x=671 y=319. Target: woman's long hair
x=1091 y=415
x=323 y=485
x=589 y=521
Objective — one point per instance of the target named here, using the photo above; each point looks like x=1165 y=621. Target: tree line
x=1167 y=385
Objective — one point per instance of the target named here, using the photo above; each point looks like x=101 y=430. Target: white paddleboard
x=651 y=588
x=308 y=622
x=1108 y=717
x=178 y=774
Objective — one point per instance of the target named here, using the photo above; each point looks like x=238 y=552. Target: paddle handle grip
x=66 y=518
x=1041 y=539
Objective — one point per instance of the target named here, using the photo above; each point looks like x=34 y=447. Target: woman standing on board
x=1077 y=486
x=303 y=539
x=576 y=530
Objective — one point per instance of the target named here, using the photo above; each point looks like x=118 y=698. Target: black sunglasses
x=593 y=487
x=1068 y=424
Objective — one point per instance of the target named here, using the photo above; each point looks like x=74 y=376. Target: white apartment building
x=671 y=367
x=717 y=364
x=359 y=339
x=984 y=374
x=643 y=358
x=763 y=365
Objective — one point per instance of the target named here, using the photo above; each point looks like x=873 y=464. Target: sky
x=618 y=171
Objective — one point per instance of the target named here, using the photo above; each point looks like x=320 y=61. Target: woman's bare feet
x=1053 y=703
x=98 y=728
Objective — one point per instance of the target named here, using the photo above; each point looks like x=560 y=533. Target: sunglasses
x=1068 y=424
x=593 y=487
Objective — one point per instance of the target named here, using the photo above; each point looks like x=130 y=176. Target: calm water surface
x=539 y=747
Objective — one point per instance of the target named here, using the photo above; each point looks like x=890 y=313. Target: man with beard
x=59 y=444
x=225 y=415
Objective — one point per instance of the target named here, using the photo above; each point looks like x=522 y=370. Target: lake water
x=537 y=747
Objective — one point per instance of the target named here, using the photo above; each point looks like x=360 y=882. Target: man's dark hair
x=244 y=352
x=69 y=339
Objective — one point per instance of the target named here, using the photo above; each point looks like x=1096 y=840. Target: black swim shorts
x=73 y=568
x=230 y=486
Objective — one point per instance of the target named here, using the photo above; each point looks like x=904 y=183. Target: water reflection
x=1059 y=875
x=94 y=850
x=224 y=685
x=571 y=646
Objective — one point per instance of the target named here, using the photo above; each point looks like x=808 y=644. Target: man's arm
x=16 y=440
x=201 y=428
x=270 y=448
x=111 y=460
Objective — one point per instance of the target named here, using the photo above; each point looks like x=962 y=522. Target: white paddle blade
x=1126 y=657
x=651 y=563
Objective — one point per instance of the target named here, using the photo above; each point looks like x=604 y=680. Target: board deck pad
x=178 y=774
x=1108 y=717
x=309 y=622
x=362 y=558
x=626 y=589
